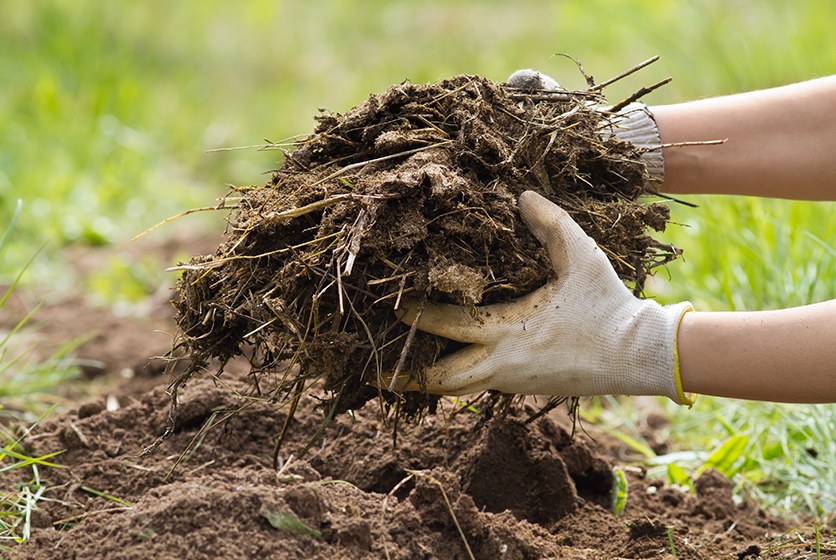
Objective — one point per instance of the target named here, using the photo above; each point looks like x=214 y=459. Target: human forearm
x=783 y=356
x=779 y=143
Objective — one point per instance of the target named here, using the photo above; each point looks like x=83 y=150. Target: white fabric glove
x=581 y=334
x=634 y=123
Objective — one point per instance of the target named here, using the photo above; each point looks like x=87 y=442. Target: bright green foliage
x=107 y=108
x=18 y=379
x=16 y=504
x=670 y=540
x=617 y=422
x=33 y=384
x=287 y=522
x=728 y=457
x=748 y=254
x=13 y=451
x=678 y=476
x=29 y=381
x=818 y=543
x=752 y=254
x=783 y=455
x=619 y=491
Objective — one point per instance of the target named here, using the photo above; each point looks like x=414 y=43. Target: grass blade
x=727 y=455
x=619 y=491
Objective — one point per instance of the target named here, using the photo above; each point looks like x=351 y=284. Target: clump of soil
x=411 y=194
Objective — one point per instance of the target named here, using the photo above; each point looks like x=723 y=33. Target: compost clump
x=410 y=195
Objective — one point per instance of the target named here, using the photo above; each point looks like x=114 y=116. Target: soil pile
x=505 y=489
x=411 y=194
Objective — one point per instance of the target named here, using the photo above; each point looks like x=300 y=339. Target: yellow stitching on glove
x=691 y=398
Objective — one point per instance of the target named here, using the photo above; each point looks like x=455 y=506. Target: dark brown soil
x=516 y=490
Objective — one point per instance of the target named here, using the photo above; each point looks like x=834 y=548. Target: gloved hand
x=581 y=334
x=634 y=123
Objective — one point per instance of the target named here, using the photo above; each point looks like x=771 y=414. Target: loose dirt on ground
x=273 y=310
x=516 y=489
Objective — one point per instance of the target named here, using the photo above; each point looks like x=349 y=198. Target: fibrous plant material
x=411 y=194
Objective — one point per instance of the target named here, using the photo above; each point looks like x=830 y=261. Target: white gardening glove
x=633 y=123
x=581 y=334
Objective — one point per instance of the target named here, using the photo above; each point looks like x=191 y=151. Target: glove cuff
x=635 y=124
x=662 y=365
x=644 y=358
x=681 y=397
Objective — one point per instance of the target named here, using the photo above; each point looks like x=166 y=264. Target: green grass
x=23 y=383
x=751 y=254
x=780 y=455
x=17 y=501
x=107 y=108
x=27 y=383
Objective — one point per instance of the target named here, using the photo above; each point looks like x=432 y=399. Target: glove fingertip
x=545 y=219
x=554 y=228
x=532 y=79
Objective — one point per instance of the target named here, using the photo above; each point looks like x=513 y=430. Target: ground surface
x=506 y=488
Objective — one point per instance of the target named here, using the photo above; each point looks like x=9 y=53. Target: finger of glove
x=563 y=238
x=456 y=322
x=461 y=373
x=456 y=374
x=483 y=325
x=532 y=79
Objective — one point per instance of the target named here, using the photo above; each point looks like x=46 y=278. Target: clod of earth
x=410 y=194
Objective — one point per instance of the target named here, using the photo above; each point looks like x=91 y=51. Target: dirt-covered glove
x=633 y=123
x=581 y=334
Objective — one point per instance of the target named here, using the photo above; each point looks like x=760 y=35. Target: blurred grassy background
x=107 y=109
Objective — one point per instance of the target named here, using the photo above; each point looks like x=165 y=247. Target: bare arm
x=783 y=356
x=781 y=143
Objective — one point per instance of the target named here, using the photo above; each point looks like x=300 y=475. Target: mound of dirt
x=454 y=482
x=507 y=488
x=411 y=194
